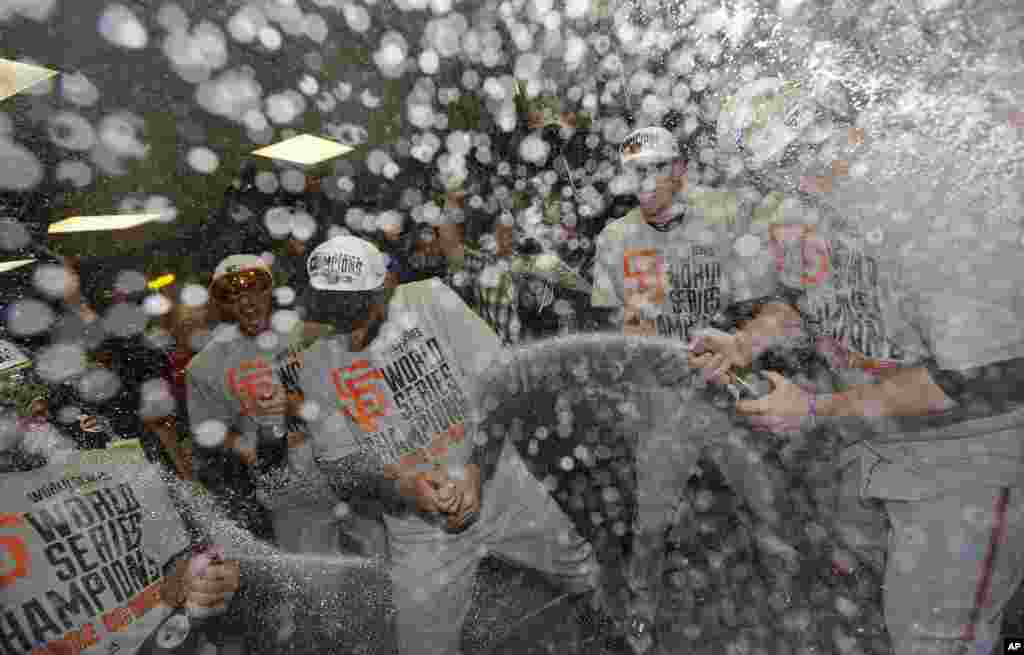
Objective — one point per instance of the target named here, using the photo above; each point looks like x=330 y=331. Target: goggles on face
x=231 y=288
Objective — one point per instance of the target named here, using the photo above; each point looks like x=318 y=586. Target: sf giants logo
x=360 y=394
x=798 y=250
x=644 y=274
x=14 y=555
x=252 y=380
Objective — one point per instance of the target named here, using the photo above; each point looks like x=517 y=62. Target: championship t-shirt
x=226 y=379
x=873 y=309
x=670 y=284
x=83 y=544
x=404 y=399
x=851 y=294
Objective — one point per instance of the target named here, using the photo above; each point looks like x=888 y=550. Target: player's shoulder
x=213 y=352
x=621 y=228
x=421 y=292
x=317 y=354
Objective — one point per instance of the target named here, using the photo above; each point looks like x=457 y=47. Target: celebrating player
x=928 y=409
x=668 y=269
x=387 y=400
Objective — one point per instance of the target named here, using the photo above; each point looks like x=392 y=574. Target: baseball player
x=387 y=398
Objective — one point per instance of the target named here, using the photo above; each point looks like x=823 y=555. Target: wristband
x=812 y=408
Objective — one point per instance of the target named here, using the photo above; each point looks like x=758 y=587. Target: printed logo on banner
x=14 y=556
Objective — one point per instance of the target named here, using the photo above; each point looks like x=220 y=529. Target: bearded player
x=386 y=398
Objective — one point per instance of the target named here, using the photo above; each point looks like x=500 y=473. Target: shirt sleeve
x=967 y=325
x=204 y=403
x=604 y=293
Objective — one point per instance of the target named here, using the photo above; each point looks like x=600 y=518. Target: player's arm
x=768 y=323
x=775 y=322
x=357 y=476
x=962 y=371
x=902 y=392
x=206 y=408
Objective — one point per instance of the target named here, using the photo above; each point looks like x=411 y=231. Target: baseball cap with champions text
x=339 y=270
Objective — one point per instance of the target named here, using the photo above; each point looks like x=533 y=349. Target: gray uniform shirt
x=874 y=307
x=225 y=379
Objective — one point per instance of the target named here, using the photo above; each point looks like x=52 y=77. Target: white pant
x=951 y=560
x=433 y=572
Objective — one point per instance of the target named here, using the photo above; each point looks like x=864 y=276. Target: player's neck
x=363 y=336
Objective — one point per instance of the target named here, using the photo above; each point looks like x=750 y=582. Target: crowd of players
x=364 y=402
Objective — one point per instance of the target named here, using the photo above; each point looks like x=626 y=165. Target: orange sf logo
x=252 y=379
x=645 y=268
x=14 y=555
x=360 y=395
x=814 y=252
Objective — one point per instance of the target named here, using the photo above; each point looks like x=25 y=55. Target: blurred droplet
x=13 y=235
x=29 y=317
x=60 y=362
x=124 y=320
x=193 y=295
x=211 y=434
x=284 y=320
x=98 y=386
x=21 y=171
x=119 y=25
x=203 y=160
x=157 y=304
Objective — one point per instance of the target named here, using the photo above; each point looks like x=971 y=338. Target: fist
x=273 y=403
x=210 y=583
x=423 y=488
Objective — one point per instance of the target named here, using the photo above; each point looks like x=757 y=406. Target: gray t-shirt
x=669 y=284
x=873 y=308
x=404 y=399
x=851 y=293
x=225 y=379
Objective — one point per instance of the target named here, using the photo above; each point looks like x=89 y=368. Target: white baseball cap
x=239 y=263
x=649 y=145
x=346 y=263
